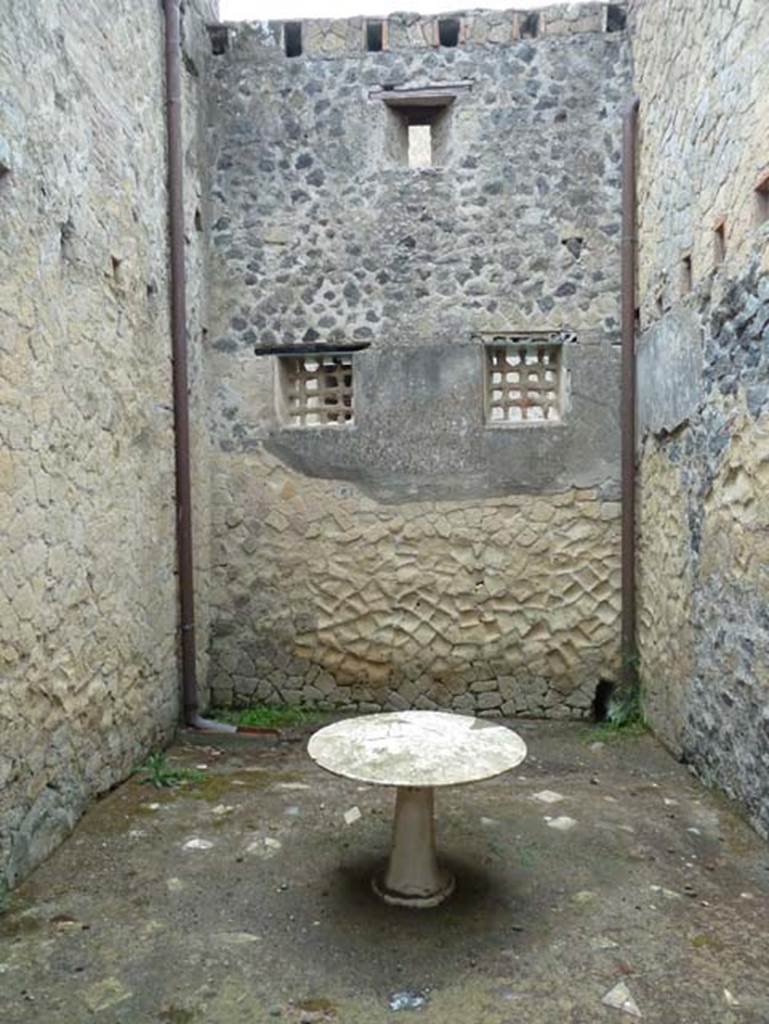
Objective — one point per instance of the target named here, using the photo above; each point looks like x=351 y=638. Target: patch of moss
x=321 y=1005
x=162 y=775
x=177 y=1015
x=14 y=925
x=610 y=732
x=216 y=785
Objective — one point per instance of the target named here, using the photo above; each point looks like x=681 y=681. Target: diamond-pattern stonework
x=331 y=598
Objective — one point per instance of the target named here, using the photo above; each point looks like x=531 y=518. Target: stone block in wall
x=412 y=31
x=669 y=372
x=567 y=19
x=332 y=38
x=491 y=27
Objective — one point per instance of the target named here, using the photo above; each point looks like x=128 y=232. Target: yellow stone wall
x=664 y=595
x=88 y=666
x=328 y=597
x=701 y=73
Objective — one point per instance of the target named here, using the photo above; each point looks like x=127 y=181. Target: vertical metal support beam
x=179 y=355
x=628 y=399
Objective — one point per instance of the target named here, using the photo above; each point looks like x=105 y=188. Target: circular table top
x=417 y=748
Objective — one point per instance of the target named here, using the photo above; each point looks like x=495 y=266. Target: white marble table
x=416 y=751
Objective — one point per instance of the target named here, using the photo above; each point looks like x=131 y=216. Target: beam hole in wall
x=220 y=40
x=374 y=36
x=719 y=242
x=524 y=378
x=687 y=277
x=762 y=198
x=315 y=389
x=448 y=31
x=292 y=38
x=530 y=26
x=66 y=239
x=616 y=18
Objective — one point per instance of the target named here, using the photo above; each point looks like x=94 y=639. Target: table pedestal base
x=412 y=877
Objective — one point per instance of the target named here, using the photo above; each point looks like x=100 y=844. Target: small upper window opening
x=719 y=242
x=448 y=31
x=418 y=126
x=374 y=36
x=762 y=197
x=292 y=38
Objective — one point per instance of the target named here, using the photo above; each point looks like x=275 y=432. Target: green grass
x=160 y=774
x=624 y=718
x=268 y=716
x=608 y=732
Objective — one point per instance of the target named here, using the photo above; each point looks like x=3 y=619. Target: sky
x=267 y=10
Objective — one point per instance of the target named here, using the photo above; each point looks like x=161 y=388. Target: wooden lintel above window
x=430 y=96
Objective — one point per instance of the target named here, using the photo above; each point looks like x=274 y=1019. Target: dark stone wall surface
x=417 y=557
x=704 y=625
x=321 y=237
x=703 y=376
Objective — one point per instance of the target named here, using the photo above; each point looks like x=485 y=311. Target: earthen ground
x=659 y=885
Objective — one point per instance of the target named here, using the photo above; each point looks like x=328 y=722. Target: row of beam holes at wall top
x=449 y=32
x=375 y=35
x=686 y=272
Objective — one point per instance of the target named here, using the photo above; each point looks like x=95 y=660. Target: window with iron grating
x=525 y=378
x=315 y=389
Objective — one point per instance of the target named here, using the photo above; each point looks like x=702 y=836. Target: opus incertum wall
x=413 y=360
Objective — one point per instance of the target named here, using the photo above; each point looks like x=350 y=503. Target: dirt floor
x=245 y=898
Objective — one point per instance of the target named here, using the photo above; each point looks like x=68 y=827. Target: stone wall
x=703 y=364
x=87 y=576
x=418 y=555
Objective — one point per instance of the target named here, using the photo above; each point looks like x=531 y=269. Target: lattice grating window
x=524 y=378
x=316 y=389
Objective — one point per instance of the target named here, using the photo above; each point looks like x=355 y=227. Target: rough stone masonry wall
x=703 y=363
x=88 y=668
x=419 y=557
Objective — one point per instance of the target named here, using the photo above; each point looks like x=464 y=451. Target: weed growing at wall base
x=162 y=775
x=268 y=716
x=624 y=718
